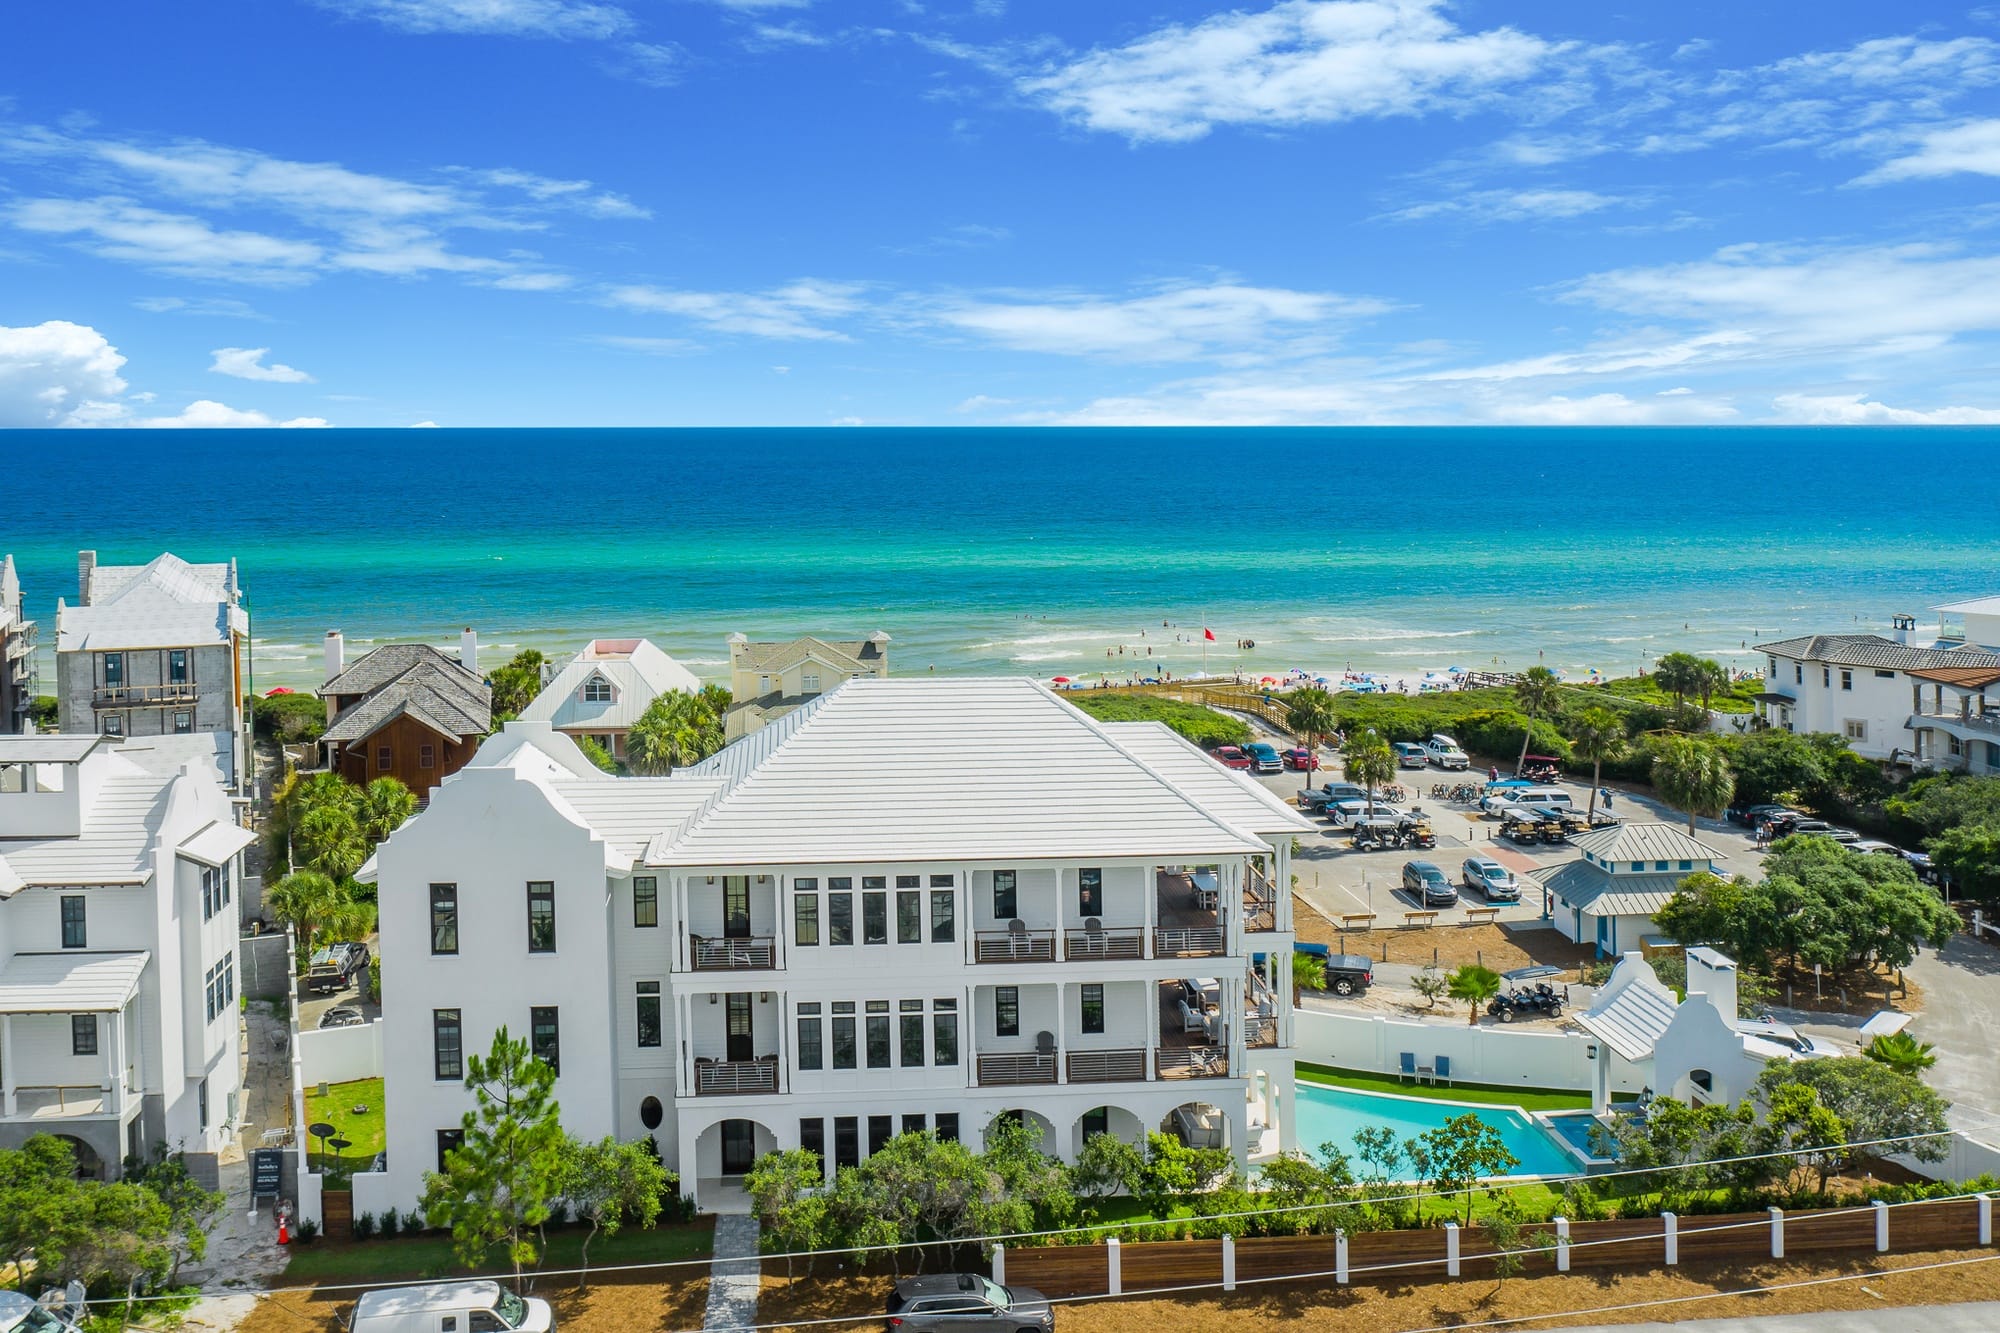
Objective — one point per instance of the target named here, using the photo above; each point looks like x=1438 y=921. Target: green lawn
x=1528 y=1099
x=430 y=1256
x=364 y=1133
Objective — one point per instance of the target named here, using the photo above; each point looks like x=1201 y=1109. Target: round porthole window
x=651 y=1113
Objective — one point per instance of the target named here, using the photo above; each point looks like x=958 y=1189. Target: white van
x=450 y=1307
x=1542 y=798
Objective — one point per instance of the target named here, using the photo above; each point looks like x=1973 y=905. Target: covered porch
x=1956 y=724
x=67 y=1038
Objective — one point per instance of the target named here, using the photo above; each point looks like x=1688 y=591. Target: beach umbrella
x=277 y=689
x=1060 y=680
x=1268 y=680
x=1319 y=680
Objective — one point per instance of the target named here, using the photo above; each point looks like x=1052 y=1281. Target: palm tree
x=1475 y=985
x=1679 y=674
x=311 y=904
x=677 y=729
x=1309 y=715
x=1711 y=679
x=385 y=805
x=1370 y=762
x=330 y=841
x=1902 y=1053
x=1597 y=735
x=1308 y=973
x=715 y=698
x=1693 y=776
x=296 y=797
x=1536 y=693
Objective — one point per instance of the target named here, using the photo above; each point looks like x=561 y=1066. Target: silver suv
x=952 y=1301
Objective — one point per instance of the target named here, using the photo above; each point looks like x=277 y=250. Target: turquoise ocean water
x=1035 y=550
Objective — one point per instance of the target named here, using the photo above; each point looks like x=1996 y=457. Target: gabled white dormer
x=597 y=688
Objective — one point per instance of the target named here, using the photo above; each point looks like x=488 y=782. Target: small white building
x=1627 y=872
x=604 y=689
x=119 y=1021
x=905 y=905
x=19 y=682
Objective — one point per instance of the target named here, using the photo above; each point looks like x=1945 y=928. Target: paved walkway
x=734 y=1274
x=1961 y=1013
x=1978 y=1317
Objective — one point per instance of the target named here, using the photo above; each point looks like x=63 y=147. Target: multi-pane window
x=219 y=986
x=649 y=1013
x=645 y=900
x=880 y=1129
x=1090 y=893
x=444 y=918
x=944 y=916
x=73 y=933
x=839 y=912
x=214 y=890
x=427 y=755
x=383 y=758
x=597 y=690
x=541 y=916
x=114 y=724
x=177 y=666
x=878 y=1034
x=910 y=1023
x=812 y=1137
x=846 y=1141
x=874 y=911
x=947 y=1127
x=736 y=905
x=843 y=1034
x=447 y=1045
x=1093 y=1007
x=944 y=1032
x=913 y=1124
x=810 y=1055
x=183 y=722
x=83 y=1034
x=1006 y=1011
x=1096 y=1122
x=544 y=1039
x=909 y=916
x=805 y=911
x=1005 y=900
x=114 y=669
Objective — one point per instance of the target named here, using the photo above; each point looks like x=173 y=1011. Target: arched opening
x=1113 y=1120
x=1198 y=1125
x=651 y=1113
x=89 y=1166
x=1037 y=1125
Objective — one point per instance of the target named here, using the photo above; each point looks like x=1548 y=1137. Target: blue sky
x=812 y=212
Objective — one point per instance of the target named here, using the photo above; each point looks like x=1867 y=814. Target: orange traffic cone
x=284 y=1232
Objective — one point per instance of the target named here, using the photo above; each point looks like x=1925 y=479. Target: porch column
x=1152 y=1026
x=1152 y=910
x=114 y=1052
x=1600 y=1089
x=1062 y=1029
x=784 y=1041
x=7 y=1062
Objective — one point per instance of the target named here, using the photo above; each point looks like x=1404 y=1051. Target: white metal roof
x=166 y=603
x=1632 y=1011
x=70 y=983
x=216 y=843
x=1642 y=842
x=636 y=679
x=167 y=754
x=1978 y=606
x=946 y=769
x=1240 y=799
x=115 y=847
x=69 y=748
x=630 y=812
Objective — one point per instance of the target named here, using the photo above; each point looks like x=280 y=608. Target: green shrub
x=1203 y=726
x=597 y=754
x=290 y=719
x=45 y=712
x=390 y=1225
x=306 y=1232
x=363 y=1226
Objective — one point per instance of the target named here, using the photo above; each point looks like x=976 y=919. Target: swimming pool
x=1333 y=1115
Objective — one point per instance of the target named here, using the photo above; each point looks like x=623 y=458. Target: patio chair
x=1406 y=1064
x=1193 y=1019
x=1017 y=938
x=1093 y=936
x=1444 y=1068
x=1045 y=1047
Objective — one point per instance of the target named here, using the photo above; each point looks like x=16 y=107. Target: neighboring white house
x=909 y=904
x=768 y=680
x=603 y=690
x=18 y=681
x=154 y=650
x=118 y=1014
x=1627 y=873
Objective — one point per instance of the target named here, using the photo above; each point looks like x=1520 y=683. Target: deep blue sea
x=1036 y=550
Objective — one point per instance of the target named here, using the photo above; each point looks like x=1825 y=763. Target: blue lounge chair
x=1408 y=1064
x=1444 y=1068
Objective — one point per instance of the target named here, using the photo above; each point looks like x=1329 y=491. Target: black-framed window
x=114 y=669
x=878 y=1034
x=810 y=1054
x=449 y=1141
x=177 y=666
x=874 y=912
x=944 y=916
x=427 y=755
x=649 y=1013
x=1096 y=1122
x=944 y=1032
x=1093 y=1007
x=447 y=1045
x=947 y=1126
x=812 y=1137
x=444 y=918
x=914 y=1123
x=846 y=1141
x=839 y=915
x=843 y=1037
x=74 y=935
x=1090 y=893
x=545 y=1036
x=910 y=1033
x=736 y=905
x=541 y=916
x=1006 y=1011
x=83 y=1034
x=909 y=916
x=805 y=911
x=881 y=1129
x=1006 y=902
x=645 y=900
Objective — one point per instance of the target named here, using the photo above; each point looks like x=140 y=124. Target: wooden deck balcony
x=734 y=954
x=1188 y=942
x=1007 y=1070
x=1014 y=946
x=725 y=1078
x=1111 y=942
x=1260 y=1031
x=145 y=696
x=1127 y=1066
x=1194 y=1062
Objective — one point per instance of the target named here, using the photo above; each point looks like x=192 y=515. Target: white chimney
x=1902 y=627
x=1712 y=976
x=468 y=649
x=86 y=565
x=336 y=653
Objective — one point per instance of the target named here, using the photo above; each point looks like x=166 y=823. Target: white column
x=1562 y=1244
x=1777 y=1233
x=1881 y=1226
x=1986 y=1219
x=1228 y=1261
x=1451 y=1250
x=1340 y=1257
x=1152 y=901
x=1672 y=1223
x=1062 y=1029
x=1114 y=1267
x=115 y=1049
x=1152 y=1023
x=785 y=1040
x=7 y=1062
x=1000 y=1264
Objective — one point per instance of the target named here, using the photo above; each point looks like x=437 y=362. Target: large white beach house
x=904 y=905
x=118 y=1012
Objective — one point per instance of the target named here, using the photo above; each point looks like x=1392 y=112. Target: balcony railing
x=734 y=954
x=40 y=1101
x=1194 y=1062
x=126 y=696
x=1015 y=946
x=1988 y=723
x=1117 y=942
x=1187 y=941
x=722 y=1078
x=1013 y=1070
x=1260 y=901
x=1107 y=1066
x=1260 y=1031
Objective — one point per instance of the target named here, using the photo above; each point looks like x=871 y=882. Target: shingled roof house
x=769 y=680
x=404 y=711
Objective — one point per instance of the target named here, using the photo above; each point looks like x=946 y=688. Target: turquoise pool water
x=1575 y=1129
x=1334 y=1115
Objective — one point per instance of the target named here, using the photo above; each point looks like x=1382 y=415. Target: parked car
x=20 y=1314
x=440 y=1305
x=342 y=1016
x=1231 y=757
x=1411 y=755
x=1351 y=812
x=336 y=967
x=1424 y=879
x=1493 y=881
x=1749 y=816
x=952 y=1301
x=1264 y=757
x=1346 y=973
x=1778 y=823
x=1301 y=760
x=1770 y=1029
x=1316 y=798
x=1444 y=752
x=1921 y=863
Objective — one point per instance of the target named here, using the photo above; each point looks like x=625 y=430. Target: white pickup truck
x=1444 y=752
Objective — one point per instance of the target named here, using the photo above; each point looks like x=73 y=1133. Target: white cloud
x=56 y=374
x=786 y=34
x=170 y=242
x=655 y=64
x=1973 y=147
x=649 y=346
x=207 y=414
x=1525 y=205
x=222 y=306
x=523 y=18
x=1176 y=324
x=1610 y=409
x=247 y=363
x=1858 y=410
x=795 y=311
x=423 y=425
x=577 y=195
x=1299 y=62
x=980 y=402
x=533 y=282
x=1616 y=357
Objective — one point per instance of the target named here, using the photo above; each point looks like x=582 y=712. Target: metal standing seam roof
x=166 y=603
x=115 y=847
x=1240 y=799
x=1977 y=606
x=629 y=813
x=1642 y=842
x=951 y=769
x=70 y=983
x=1596 y=892
x=1631 y=1019
x=1872 y=650
x=63 y=749
x=215 y=843
x=636 y=681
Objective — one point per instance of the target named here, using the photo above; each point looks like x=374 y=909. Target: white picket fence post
x=1562 y=1244
x=1340 y=1257
x=1881 y=1226
x=1114 y=1267
x=1228 y=1262
x=1777 y=1233
x=1451 y=1249
x=1672 y=1222
x=1986 y=1219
